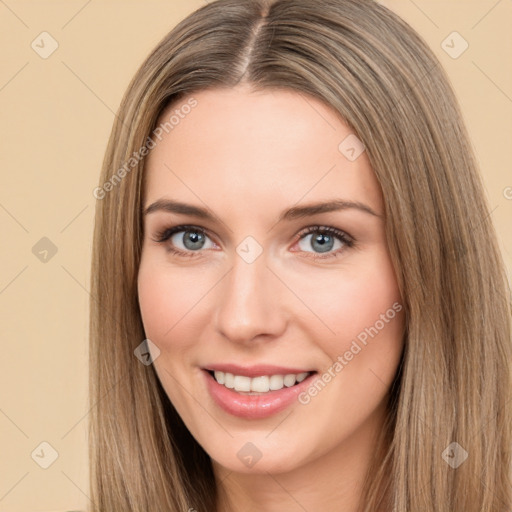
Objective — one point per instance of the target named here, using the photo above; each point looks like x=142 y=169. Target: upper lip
x=255 y=370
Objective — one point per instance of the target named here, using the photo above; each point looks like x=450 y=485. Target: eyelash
x=165 y=234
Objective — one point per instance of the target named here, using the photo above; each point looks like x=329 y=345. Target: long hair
x=453 y=383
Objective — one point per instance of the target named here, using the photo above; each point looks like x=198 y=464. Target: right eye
x=191 y=238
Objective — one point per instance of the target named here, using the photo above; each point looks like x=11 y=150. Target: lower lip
x=254 y=406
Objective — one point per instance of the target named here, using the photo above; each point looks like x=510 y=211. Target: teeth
x=242 y=383
x=302 y=376
x=289 y=380
x=276 y=382
x=259 y=384
x=229 y=380
x=262 y=384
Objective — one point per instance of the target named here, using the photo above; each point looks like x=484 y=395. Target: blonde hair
x=453 y=383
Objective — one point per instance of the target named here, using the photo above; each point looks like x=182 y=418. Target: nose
x=250 y=302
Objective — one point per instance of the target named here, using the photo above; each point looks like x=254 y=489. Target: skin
x=247 y=156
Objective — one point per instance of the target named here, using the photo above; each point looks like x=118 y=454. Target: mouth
x=258 y=397
x=260 y=384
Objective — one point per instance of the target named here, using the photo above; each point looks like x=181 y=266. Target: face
x=258 y=286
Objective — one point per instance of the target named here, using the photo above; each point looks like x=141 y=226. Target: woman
x=298 y=298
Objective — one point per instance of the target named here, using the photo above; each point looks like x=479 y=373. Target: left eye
x=324 y=240
x=191 y=238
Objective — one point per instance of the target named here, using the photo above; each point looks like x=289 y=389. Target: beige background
x=56 y=118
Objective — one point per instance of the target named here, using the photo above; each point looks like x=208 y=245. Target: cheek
x=351 y=299
x=367 y=302
x=164 y=300
x=154 y=298
x=174 y=306
x=362 y=308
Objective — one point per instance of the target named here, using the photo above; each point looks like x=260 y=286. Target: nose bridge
x=248 y=303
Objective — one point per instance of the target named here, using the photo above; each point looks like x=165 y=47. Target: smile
x=255 y=398
x=259 y=384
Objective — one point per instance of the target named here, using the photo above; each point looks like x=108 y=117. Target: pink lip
x=255 y=406
x=256 y=370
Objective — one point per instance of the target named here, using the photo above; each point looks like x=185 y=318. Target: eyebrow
x=296 y=212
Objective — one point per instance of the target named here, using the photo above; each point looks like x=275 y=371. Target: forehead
x=239 y=149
